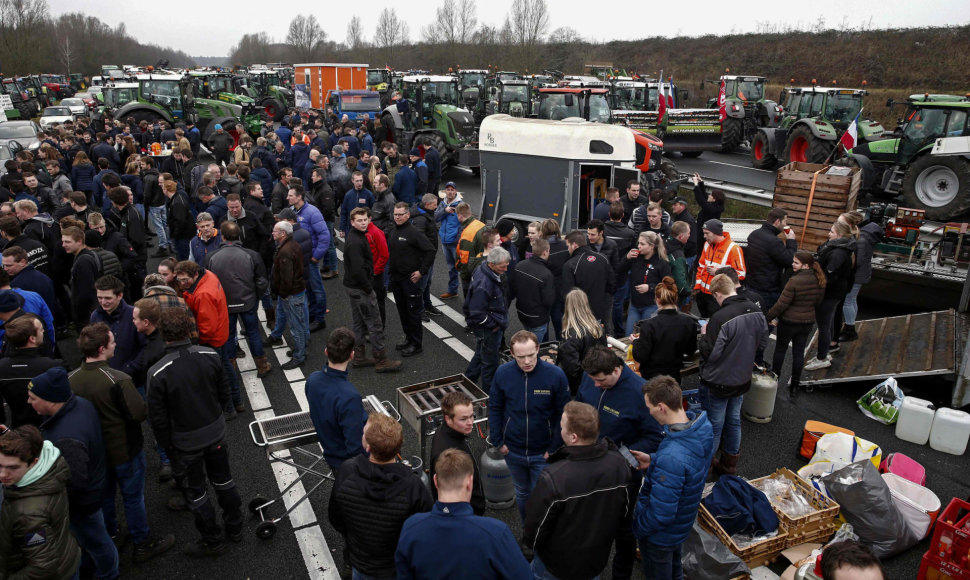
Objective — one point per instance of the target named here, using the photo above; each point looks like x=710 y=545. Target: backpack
x=110 y=264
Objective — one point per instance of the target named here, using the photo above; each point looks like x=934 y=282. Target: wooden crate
x=833 y=196
x=759 y=554
x=809 y=527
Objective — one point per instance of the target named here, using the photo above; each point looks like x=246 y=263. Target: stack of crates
x=949 y=555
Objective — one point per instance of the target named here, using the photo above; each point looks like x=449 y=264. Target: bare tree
x=64 y=46
x=467 y=20
x=305 y=35
x=529 y=20
x=454 y=24
x=564 y=35
x=391 y=31
x=355 y=34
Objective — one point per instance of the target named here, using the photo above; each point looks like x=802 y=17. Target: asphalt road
x=306 y=546
x=731 y=167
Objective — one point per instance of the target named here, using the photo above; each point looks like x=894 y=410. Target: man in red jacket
x=378 y=248
x=206 y=299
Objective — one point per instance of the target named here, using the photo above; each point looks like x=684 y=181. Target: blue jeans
x=96 y=544
x=358 y=575
x=850 y=309
x=636 y=314
x=140 y=207
x=540 y=332
x=451 y=256
x=294 y=309
x=621 y=295
x=555 y=313
x=525 y=470
x=330 y=258
x=181 y=249
x=485 y=362
x=724 y=413
x=661 y=562
x=130 y=476
x=228 y=353
x=250 y=322
x=425 y=284
x=317 y=297
x=540 y=572
x=159 y=217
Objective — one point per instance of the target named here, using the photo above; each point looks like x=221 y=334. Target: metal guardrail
x=743 y=193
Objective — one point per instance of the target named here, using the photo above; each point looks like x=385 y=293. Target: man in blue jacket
x=525 y=405
x=299 y=154
x=310 y=219
x=449 y=228
x=452 y=542
x=615 y=392
x=117 y=314
x=421 y=170
x=358 y=196
x=486 y=313
x=335 y=404
x=674 y=481
x=405 y=186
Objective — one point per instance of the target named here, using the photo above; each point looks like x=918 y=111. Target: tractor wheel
x=24 y=110
x=438 y=143
x=938 y=185
x=274 y=109
x=387 y=122
x=669 y=169
x=803 y=146
x=732 y=134
x=146 y=115
x=691 y=154
x=761 y=157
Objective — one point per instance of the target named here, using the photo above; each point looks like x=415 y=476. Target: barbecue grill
x=420 y=404
x=291 y=433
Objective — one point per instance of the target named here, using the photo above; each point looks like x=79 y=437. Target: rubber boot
x=848 y=333
x=386 y=365
x=360 y=358
x=263 y=366
x=727 y=463
x=271 y=318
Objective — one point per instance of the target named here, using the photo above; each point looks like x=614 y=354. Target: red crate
x=951 y=537
x=932 y=568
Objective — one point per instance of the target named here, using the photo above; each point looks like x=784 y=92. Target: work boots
x=848 y=333
x=263 y=366
x=384 y=364
x=726 y=463
x=271 y=318
x=360 y=358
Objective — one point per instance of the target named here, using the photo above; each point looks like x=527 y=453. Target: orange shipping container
x=321 y=78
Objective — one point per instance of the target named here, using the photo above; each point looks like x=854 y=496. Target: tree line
x=33 y=41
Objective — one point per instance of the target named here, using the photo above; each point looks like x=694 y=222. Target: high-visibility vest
x=466 y=240
x=725 y=253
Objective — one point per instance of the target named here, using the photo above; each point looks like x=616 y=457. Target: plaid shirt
x=167 y=298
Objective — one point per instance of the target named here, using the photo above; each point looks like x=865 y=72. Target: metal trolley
x=420 y=405
x=291 y=433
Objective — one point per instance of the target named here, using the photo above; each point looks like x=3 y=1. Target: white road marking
x=316 y=554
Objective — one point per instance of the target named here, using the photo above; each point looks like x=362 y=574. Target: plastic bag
x=867 y=504
x=785 y=496
x=840 y=447
x=704 y=557
x=815 y=471
x=882 y=403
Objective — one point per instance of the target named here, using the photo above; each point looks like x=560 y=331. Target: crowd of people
x=603 y=459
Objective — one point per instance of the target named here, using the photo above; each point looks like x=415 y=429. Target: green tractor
x=471 y=84
x=379 y=79
x=436 y=117
x=746 y=109
x=11 y=108
x=172 y=98
x=266 y=88
x=214 y=90
x=23 y=102
x=814 y=119
x=926 y=160
x=511 y=97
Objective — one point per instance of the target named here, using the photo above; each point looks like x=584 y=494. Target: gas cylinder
x=417 y=467
x=759 y=401
x=496 y=480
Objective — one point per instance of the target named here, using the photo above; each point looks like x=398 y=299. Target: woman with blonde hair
x=837 y=259
x=795 y=311
x=666 y=338
x=580 y=332
x=647 y=265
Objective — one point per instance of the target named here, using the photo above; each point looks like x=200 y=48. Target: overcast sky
x=212 y=28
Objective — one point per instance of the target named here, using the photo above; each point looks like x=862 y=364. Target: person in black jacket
x=837 y=258
x=126 y=220
x=711 y=204
x=181 y=226
x=625 y=239
x=155 y=206
x=580 y=333
x=85 y=270
x=459 y=416
x=585 y=482
x=186 y=398
x=533 y=288
x=596 y=240
x=766 y=257
x=558 y=255
x=372 y=496
x=23 y=362
x=590 y=272
x=422 y=218
x=411 y=257
x=632 y=199
x=647 y=265
x=666 y=338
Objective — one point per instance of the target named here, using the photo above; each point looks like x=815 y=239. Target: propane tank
x=417 y=466
x=759 y=402
x=496 y=479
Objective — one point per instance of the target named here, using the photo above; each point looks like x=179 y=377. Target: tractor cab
x=425 y=93
x=512 y=98
x=116 y=95
x=165 y=91
x=471 y=83
x=378 y=79
x=587 y=103
x=628 y=96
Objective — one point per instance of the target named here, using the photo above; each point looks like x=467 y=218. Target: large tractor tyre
x=274 y=109
x=24 y=110
x=691 y=154
x=732 y=134
x=938 y=185
x=438 y=143
x=761 y=156
x=804 y=147
x=147 y=115
x=669 y=169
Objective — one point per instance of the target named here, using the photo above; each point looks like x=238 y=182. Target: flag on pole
x=672 y=97
x=661 y=100
x=851 y=135
x=722 y=102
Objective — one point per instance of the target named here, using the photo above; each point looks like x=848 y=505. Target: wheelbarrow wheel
x=257 y=503
x=265 y=530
